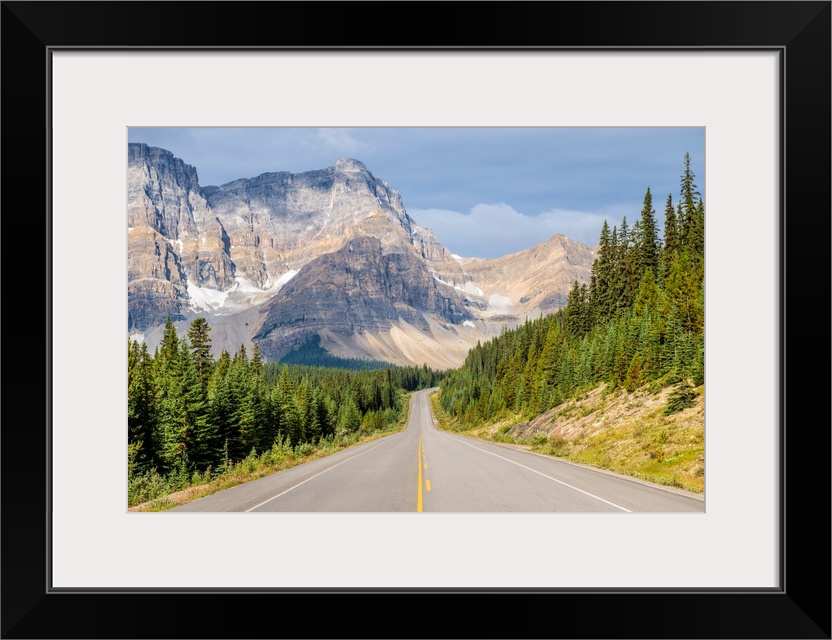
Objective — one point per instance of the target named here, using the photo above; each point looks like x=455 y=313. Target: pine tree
x=648 y=241
x=201 y=350
x=602 y=275
x=141 y=408
x=684 y=289
x=621 y=287
x=221 y=405
x=284 y=399
x=349 y=418
x=671 y=236
x=201 y=433
x=241 y=356
x=256 y=360
x=633 y=377
x=237 y=381
x=223 y=363
x=696 y=240
x=690 y=194
x=253 y=411
x=169 y=346
x=680 y=217
x=171 y=425
x=627 y=259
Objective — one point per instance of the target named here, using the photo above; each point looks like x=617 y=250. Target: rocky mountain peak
x=349 y=165
x=164 y=162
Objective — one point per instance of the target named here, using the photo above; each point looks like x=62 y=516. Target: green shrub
x=682 y=398
x=145 y=486
x=538 y=439
x=304 y=449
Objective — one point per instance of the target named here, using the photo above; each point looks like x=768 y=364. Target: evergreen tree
x=241 y=356
x=170 y=434
x=602 y=275
x=349 y=418
x=223 y=363
x=684 y=289
x=169 y=346
x=253 y=410
x=256 y=360
x=622 y=288
x=671 y=235
x=290 y=423
x=141 y=409
x=201 y=350
x=632 y=379
x=241 y=417
x=648 y=241
x=201 y=441
x=627 y=263
x=680 y=227
x=696 y=239
x=690 y=194
x=221 y=406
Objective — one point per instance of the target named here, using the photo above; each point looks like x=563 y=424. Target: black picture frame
x=800 y=608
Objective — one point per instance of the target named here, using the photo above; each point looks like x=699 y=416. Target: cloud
x=497 y=229
x=340 y=141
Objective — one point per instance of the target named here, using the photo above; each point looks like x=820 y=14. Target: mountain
x=357 y=289
x=332 y=252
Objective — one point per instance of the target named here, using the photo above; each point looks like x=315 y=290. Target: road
x=424 y=469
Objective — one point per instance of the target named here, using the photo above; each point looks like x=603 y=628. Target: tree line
x=187 y=412
x=640 y=319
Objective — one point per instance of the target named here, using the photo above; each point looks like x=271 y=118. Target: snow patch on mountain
x=206 y=299
x=285 y=278
x=500 y=303
x=469 y=287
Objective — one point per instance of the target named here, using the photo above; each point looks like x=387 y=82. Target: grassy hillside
x=623 y=432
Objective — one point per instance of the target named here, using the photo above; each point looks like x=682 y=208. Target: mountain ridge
x=231 y=253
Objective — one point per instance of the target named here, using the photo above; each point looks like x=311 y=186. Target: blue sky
x=485 y=192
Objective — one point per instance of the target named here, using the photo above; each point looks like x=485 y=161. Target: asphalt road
x=424 y=469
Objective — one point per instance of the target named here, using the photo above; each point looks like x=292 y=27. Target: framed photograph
x=754 y=75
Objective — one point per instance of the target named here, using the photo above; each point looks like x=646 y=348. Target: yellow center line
x=419 y=494
x=427 y=485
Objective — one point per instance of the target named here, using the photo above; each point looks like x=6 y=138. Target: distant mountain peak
x=349 y=164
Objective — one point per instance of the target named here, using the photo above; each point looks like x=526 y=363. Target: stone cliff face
x=356 y=289
x=156 y=282
x=163 y=197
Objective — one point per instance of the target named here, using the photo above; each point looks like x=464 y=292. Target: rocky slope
x=173 y=239
x=333 y=251
x=533 y=281
x=354 y=290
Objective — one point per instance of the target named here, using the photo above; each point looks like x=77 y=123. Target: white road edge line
x=257 y=506
x=539 y=473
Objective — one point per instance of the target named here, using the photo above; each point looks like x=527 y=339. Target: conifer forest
x=640 y=319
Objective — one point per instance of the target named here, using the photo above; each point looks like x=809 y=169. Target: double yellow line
x=420 y=459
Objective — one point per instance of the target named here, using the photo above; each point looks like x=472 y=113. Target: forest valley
x=638 y=324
